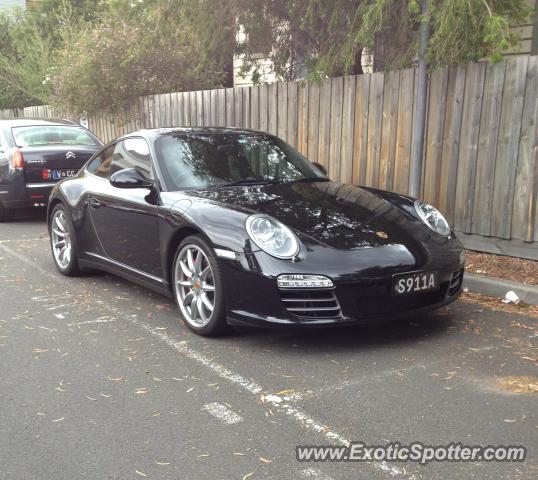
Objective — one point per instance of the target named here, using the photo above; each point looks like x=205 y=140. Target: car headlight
x=272 y=236
x=433 y=218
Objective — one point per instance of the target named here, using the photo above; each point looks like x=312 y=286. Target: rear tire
x=198 y=287
x=63 y=242
x=6 y=214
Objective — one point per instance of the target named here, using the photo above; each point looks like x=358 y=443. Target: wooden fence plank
x=434 y=136
x=291 y=134
x=282 y=110
x=214 y=108
x=312 y=125
x=238 y=107
x=229 y=107
x=389 y=129
x=360 y=134
x=404 y=127
x=245 y=118
x=337 y=94
x=507 y=149
x=472 y=105
x=193 y=108
x=302 y=118
x=375 y=124
x=525 y=220
x=264 y=108
x=185 y=100
x=255 y=108
x=272 y=109
x=348 y=126
x=451 y=142
x=324 y=122
x=221 y=107
x=487 y=148
x=207 y=107
x=199 y=108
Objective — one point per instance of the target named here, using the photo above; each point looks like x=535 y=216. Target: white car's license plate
x=59 y=174
x=416 y=282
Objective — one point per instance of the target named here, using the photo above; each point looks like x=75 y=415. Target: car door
x=126 y=219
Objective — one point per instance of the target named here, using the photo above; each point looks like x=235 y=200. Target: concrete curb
x=497 y=287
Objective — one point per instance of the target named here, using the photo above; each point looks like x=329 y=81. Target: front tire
x=63 y=242
x=198 y=287
x=6 y=214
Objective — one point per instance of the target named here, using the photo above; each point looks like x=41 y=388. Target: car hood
x=336 y=215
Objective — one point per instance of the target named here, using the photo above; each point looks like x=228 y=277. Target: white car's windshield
x=194 y=160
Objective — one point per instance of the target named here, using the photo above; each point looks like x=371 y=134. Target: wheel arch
x=178 y=236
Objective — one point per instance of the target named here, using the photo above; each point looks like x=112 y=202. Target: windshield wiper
x=310 y=180
x=258 y=181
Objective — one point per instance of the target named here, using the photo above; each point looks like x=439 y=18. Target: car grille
x=455 y=282
x=311 y=304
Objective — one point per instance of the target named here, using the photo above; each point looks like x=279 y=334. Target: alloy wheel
x=61 y=239
x=194 y=286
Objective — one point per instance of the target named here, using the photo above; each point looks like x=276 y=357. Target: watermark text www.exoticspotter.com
x=414 y=452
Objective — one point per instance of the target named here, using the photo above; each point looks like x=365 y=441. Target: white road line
x=92 y=322
x=24 y=240
x=34 y=265
x=223 y=413
x=314 y=473
x=252 y=387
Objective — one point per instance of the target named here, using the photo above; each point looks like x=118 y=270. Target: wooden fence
x=481 y=145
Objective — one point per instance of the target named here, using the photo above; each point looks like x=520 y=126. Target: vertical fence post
x=417 y=153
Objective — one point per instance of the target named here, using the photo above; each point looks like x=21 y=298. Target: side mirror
x=320 y=167
x=130 y=178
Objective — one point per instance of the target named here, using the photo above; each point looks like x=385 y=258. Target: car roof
x=28 y=122
x=194 y=130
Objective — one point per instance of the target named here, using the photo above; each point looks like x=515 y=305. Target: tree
x=147 y=48
x=327 y=37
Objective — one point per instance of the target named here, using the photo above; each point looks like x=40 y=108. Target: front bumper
x=254 y=299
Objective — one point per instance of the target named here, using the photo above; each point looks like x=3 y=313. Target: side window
x=132 y=153
x=100 y=165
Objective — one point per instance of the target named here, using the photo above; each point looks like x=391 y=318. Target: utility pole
x=419 y=124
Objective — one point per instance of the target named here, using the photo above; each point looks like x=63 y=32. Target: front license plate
x=59 y=174
x=417 y=282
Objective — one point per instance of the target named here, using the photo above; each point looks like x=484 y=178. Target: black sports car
x=241 y=229
x=34 y=155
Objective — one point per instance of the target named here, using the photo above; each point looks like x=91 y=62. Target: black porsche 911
x=34 y=155
x=241 y=229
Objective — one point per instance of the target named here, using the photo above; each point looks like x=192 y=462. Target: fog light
x=304 y=281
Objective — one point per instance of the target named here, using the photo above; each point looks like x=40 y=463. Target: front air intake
x=311 y=304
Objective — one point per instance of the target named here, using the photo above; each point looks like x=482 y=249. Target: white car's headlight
x=433 y=218
x=272 y=236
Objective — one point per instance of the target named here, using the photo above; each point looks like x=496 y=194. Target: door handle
x=94 y=203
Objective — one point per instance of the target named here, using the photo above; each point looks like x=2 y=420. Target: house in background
x=10 y=4
x=528 y=45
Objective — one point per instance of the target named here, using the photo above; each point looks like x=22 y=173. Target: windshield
x=194 y=160
x=40 y=135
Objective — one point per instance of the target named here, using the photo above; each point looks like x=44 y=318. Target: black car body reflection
x=136 y=201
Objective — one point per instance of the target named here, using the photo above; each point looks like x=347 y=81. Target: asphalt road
x=101 y=380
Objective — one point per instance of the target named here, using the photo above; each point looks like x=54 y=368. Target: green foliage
x=93 y=55
x=106 y=67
